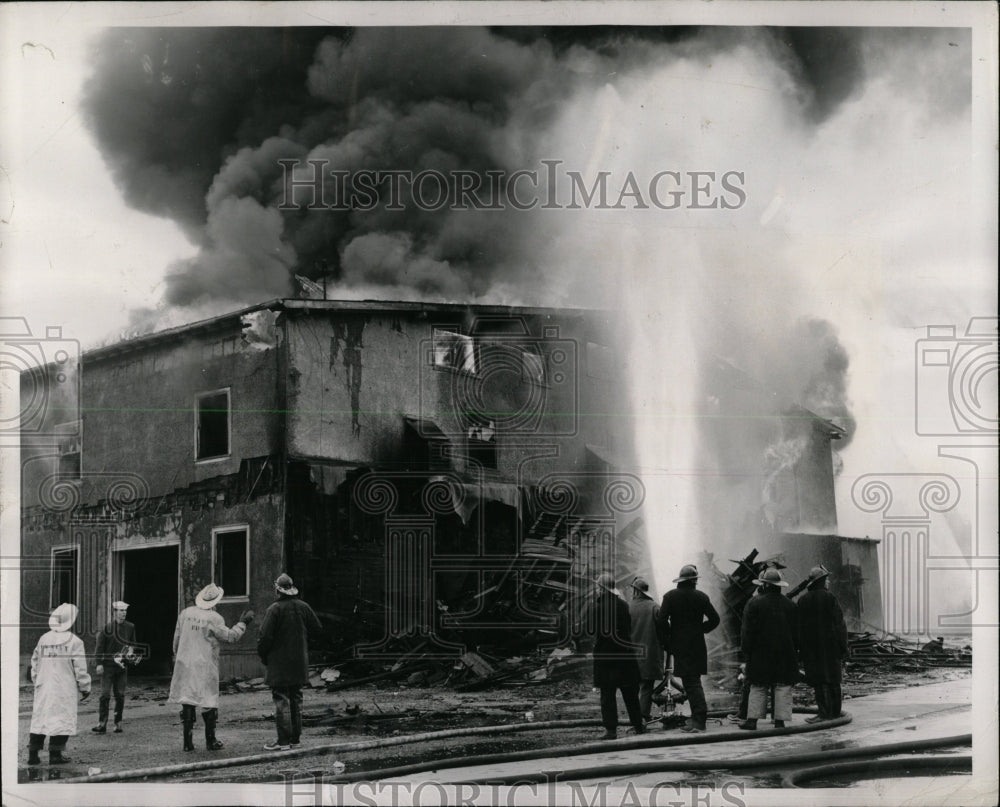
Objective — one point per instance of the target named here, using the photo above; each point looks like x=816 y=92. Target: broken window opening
x=231 y=561
x=64 y=575
x=212 y=425
x=482 y=443
x=70 y=436
x=453 y=350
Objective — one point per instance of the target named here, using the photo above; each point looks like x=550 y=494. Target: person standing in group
x=114 y=646
x=615 y=665
x=195 y=681
x=686 y=615
x=642 y=611
x=822 y=643
x=768 y=641
x=283 y=647
x=59 y=673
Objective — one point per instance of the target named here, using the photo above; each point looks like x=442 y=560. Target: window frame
x=246 y=546
x=229 y=425
x=470 y=350
x=74 y=430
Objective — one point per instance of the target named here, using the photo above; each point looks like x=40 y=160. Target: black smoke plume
x=193 y=122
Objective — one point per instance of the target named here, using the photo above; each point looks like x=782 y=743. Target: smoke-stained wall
x=356 y=372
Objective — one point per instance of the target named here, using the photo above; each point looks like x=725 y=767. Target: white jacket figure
x=59 y=673
x=199 y=631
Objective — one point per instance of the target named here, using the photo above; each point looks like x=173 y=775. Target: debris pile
x=892 y=652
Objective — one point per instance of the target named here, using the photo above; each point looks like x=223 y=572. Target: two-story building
x=404 y=462
x=449 y=474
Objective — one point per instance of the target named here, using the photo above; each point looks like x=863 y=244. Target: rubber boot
x=750 y=724
x=33 y=756
x=118 y=727
x=779 y=724
x=188 y=718
x=211 y=717
x=101 y=727
x=56 y=756
x=695 y=724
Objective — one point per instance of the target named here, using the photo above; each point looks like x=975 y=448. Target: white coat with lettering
x=59 y=672
x=196 y=649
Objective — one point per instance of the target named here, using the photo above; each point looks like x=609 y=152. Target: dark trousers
x=113 y=679
x=696 y=698
x=56 y=742
x=288 y=713
x=609 y=706
x=646 y=687
x=744 y=700
x=829 y=698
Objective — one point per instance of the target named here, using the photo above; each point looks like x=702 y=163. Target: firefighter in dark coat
x=822 y=643
x=283 y=647
x=616 y=666
x=686 y=615
x=643 y=610
x=768 y=642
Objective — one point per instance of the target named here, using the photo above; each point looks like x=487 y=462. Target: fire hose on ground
x=615 y=770
x=618 y=769
x=950 y=764
x=640 y=741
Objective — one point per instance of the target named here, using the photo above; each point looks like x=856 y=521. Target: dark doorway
x=149 y=585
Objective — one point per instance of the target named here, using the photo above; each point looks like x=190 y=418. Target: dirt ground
x=152 y=729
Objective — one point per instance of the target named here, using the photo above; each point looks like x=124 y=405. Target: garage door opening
x=148 y=582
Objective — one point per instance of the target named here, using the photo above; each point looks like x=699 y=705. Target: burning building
x=447 y=473
x=769 y=501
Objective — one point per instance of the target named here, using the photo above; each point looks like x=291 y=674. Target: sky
x=866 y=160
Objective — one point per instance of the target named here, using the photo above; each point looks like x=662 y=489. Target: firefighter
x=769 y=642
x=822 y=644
x=685 y=616
x=59 y=673
x=643 y=610
x=615 y=664
x=195 y=681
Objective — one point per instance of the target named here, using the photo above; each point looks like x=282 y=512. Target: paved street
x=913 y=713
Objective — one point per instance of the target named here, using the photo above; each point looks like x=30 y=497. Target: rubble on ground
x=869 y=651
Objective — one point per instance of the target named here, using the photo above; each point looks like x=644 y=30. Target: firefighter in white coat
x=59 y=673
x=195 y=681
